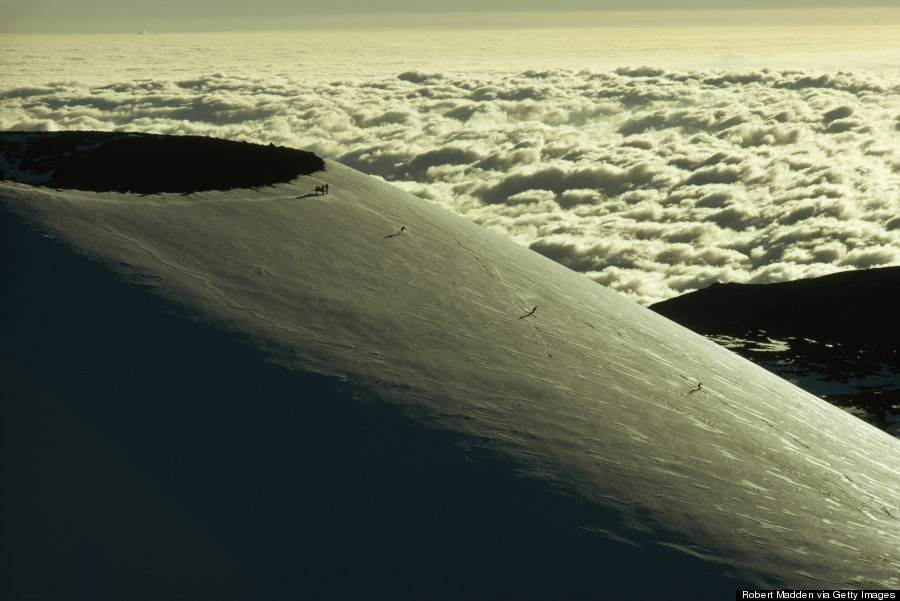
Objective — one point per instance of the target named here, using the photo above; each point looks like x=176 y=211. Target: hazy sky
x=186 y=15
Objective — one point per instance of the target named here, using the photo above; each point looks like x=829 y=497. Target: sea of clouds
x=652 y=181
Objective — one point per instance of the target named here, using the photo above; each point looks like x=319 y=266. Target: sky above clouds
x=110 y=16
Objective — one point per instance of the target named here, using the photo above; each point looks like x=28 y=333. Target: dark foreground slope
x=146 y=163
x=276 y=393
x=147 y=455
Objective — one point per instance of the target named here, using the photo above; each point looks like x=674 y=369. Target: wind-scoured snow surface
x=356 y=412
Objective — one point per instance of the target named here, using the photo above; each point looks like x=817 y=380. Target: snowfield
x=657 y=460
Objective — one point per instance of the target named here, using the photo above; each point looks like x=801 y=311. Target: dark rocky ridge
x=146 y=163
x=851 y=307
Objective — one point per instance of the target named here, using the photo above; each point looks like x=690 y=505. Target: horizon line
x=880 y=16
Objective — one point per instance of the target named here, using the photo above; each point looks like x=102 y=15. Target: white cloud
x=648 y=180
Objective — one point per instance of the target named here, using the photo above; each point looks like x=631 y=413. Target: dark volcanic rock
x=851 y=307
x=146 y=163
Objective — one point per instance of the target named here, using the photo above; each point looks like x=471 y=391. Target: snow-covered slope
x=626 y=470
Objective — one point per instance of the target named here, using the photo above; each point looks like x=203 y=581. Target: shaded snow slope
x=569 y=451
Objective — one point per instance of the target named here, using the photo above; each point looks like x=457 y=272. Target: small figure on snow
x=530 y=313
x=400 y=233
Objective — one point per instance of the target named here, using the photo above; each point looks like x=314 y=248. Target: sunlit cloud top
x=653 y=180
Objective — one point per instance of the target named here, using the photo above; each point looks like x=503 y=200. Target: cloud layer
x=650 y=181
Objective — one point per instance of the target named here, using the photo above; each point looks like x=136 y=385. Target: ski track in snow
x=592 y=392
